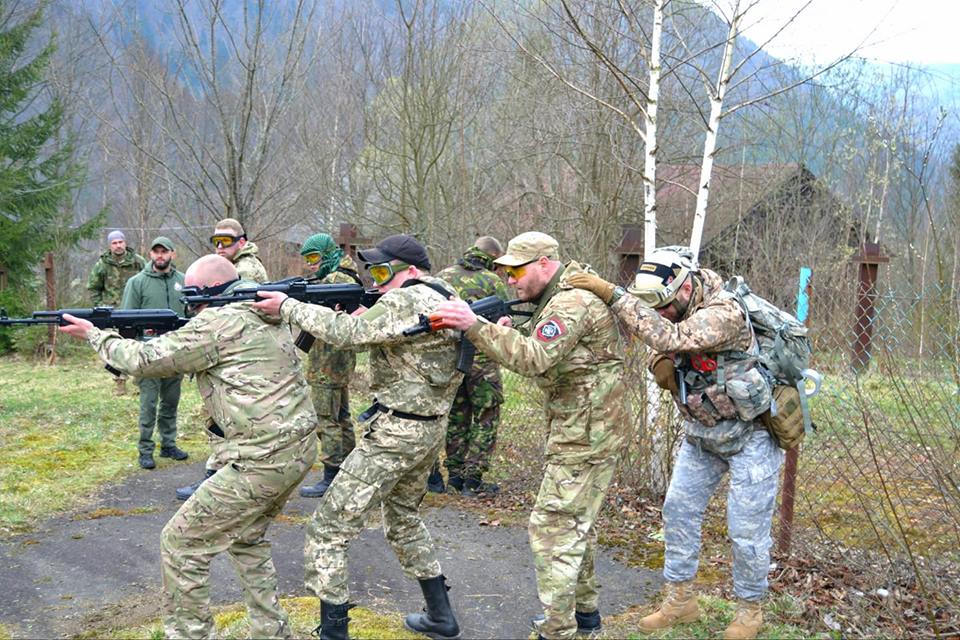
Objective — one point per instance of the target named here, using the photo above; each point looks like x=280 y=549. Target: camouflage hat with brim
x=527 y=247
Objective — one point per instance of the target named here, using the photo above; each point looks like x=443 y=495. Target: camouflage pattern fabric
x=248 y=264
x=328 y=372
x=475 y=417
x=390 y=464
x=575 y=351
x=253 y=387
x=474 y=420
x=714 y=325
x=563 y=537
x=109 y=276
x=751 y=498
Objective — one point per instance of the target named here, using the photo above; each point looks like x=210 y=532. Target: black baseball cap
x=399 y=247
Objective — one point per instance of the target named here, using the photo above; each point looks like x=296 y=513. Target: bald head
x=210 y=270
x=490 y=246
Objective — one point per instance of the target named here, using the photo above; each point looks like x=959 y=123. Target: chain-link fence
x=877 y=504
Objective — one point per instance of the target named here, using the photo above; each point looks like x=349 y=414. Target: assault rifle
x=492 y=308
x=131 y=323
x=348 y=297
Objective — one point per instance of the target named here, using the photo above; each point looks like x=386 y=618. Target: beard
x=161 y=264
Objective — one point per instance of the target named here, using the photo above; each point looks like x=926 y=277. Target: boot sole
x=432 y=636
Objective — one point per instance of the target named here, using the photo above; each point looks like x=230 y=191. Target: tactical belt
x=376 y=408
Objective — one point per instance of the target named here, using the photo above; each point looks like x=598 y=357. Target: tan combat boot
x=120 y=386
x=679 y=606
x=746 y=622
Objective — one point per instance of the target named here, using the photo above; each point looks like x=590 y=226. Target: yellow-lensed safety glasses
x=383 y=273
x=312 y=258
x=517 y=272
x=224 y=240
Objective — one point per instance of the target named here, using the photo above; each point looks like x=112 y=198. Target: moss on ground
x=231 y=622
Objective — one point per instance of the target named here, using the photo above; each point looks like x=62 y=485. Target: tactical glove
x=595 y=284
x=664 y=372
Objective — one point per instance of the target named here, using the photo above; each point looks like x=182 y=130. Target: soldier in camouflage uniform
x=229 y=241
x=329 y=370
x=700 y=330
x=472 y=433
x=263 y=423
x=108 y=278
x=414 y=381
x=575 y=354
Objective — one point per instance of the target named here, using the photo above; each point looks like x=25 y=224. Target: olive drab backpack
x=784 y=351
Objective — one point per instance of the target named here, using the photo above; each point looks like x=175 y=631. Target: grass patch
x=715 y=615
x=304 y=612
x=64 y=434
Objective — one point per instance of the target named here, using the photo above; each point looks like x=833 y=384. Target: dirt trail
x=79 y=574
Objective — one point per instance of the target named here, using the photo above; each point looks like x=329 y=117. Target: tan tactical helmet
x=660 y=277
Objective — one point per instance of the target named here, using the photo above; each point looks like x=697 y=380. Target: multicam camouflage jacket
x=417 y=375
x=110 y=274
x=248 y=264
x=710 y=347
x=326 y=365
x=575 y=353
x=473 y=278
x=247 y=371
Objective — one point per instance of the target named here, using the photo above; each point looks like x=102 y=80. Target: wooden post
x=629 y=253
x=51 y=286
x=870 y=259
x=785 y=534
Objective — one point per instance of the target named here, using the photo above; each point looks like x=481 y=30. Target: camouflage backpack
x=784 y=351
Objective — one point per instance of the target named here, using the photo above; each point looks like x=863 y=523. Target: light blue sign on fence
x=803 y=300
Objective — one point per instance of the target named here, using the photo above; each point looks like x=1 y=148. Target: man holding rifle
x=574 y=352
x=414 y=382
x=263 y=426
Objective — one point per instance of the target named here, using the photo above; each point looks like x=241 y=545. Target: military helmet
x=660 y=276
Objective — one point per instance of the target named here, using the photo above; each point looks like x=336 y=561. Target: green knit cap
x=325 y=245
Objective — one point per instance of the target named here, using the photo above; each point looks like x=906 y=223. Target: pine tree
x=38 y=172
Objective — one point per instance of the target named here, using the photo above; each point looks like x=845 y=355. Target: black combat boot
x=454 y=483
x=174 y=452
x=437 y=621
x=435 y=481
x=146 y=461
x=333 y=621
x=587 y=623
x=474 y=487
x=185 y=492
x=317 y=490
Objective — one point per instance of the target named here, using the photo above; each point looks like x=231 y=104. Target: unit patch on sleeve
x=550 y=330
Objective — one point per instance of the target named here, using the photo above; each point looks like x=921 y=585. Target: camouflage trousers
x=474 y=418
x=335 y=428
x=388 y=468
x=230 y=512
x=754 y=474
x=563 y=538
x=159 y=399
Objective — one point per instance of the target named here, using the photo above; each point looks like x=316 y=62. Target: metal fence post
x=790 y=466
x=870 y=259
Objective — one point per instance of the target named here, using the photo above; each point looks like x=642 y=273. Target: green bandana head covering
x=323 y=244
x=476 y=259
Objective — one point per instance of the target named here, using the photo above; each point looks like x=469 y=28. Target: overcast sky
x=918 y=31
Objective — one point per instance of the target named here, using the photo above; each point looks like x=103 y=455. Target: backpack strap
x=351 y=273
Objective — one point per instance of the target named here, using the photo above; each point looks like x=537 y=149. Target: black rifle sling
x=465 y=349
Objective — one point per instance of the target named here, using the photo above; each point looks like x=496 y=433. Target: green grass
x=715 y=615
x=232 y=622
x=64 y=433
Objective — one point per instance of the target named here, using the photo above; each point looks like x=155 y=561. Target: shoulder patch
x=550 y=330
